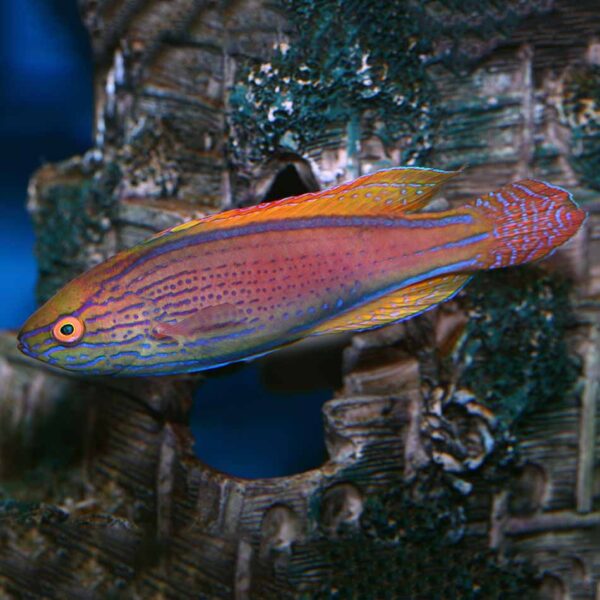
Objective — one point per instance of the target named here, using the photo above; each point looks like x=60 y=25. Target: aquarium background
x=46 y=112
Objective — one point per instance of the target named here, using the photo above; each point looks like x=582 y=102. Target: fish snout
x=24 y=347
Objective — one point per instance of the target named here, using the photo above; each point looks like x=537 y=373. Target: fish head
x=89 y=328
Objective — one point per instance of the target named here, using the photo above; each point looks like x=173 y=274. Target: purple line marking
x=94 y=333
x=183 y=313
x=163 y=280
x=110 y=300
x=170 y=365
x=529 y=192
x=139 y=356
x=458 y=244
x=176 y=304
x=447 y=269
x=291 y=225
x=503 y=200
x=176 y=293
x=36 y=331
x=536 y=249
x=101 y=316
x=58 y=348
x=130 y=307
x=90 y=363
x=219 y=338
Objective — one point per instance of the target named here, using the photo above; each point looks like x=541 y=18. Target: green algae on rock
x=361 y=68
x=580 y=109
x=513 y=353
x=398 y=533
x=73 y=220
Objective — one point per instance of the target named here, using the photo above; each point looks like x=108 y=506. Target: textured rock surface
x=435 y=486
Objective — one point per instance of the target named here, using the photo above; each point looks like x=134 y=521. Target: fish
x=239 y=284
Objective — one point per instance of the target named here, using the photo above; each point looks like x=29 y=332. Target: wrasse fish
x=244 y=282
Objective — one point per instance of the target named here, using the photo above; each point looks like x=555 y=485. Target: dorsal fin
x=399 y=305
x=401 y=189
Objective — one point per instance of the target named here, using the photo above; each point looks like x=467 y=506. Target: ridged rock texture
x=464 y=455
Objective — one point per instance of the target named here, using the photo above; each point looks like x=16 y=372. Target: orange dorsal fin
x=399 y=305
x=401 y=189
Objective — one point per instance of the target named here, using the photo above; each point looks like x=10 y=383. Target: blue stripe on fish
x=290 y=225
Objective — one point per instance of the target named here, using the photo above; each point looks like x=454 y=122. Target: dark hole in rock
x=264 y=419
x=342 y=505
x=280 y=529
x=551 y=588
x=579 y=569
x=528 y=490
x=287 y=183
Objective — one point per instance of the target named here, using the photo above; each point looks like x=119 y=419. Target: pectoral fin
x=401 y=304
x=205 y=320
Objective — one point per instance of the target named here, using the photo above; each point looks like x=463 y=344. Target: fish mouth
x=74 y=368
x=26 y=350
x=21 y=345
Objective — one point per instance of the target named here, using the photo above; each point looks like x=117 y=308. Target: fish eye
x=68 y=330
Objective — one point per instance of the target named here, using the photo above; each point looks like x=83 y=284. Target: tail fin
x=528 y=219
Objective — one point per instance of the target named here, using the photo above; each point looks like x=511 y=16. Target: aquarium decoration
x=462 y=444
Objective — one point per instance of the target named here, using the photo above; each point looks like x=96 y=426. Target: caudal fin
x=528 y=219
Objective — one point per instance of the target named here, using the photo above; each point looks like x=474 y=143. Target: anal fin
x=401 y=304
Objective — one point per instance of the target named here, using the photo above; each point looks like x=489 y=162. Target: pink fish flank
x=244 y=282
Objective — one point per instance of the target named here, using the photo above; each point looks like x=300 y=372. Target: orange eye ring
x=68 y=330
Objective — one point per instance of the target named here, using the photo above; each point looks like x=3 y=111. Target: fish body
x=245 y=282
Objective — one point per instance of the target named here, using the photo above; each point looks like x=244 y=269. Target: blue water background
x=45 y=100
x=241 y=425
